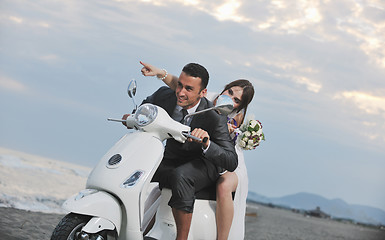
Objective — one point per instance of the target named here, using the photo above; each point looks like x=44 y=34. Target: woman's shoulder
x=233 y=114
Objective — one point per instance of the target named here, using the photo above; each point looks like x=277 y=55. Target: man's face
x=188 y=91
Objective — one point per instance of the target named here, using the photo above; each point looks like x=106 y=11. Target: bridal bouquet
x=250 y=134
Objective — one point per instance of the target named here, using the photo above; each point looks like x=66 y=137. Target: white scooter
x=119 y=201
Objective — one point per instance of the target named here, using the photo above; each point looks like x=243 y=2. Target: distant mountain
x=337 y=208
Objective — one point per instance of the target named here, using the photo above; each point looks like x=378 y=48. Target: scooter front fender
x=98 y=204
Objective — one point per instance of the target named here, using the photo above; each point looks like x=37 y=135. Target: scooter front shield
x=93 y=203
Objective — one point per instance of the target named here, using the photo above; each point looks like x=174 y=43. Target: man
x=192 y=166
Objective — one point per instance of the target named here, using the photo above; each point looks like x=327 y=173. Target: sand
x=21 y=224
x=262 y=223
x=271 y=223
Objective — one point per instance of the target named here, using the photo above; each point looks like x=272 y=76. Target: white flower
x=259 y=132
x=250 y=134
x=253 y=123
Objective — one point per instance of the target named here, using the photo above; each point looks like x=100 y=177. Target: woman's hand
x=231 y=127
x=150 y=70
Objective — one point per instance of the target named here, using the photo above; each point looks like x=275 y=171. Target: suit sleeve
x=156 y=95
x=221 y=151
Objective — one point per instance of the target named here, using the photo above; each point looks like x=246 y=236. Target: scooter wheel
x=69 y=226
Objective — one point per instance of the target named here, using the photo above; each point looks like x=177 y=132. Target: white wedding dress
x=237 y=231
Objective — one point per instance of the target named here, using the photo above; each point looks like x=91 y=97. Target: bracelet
x=164 y=77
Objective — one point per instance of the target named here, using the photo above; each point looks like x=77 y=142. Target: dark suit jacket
x=221 y=153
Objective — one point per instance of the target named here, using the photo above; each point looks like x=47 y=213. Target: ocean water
x=35 y=183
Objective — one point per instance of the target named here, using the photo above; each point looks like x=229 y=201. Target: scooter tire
x=73 y=223
x=70 y=225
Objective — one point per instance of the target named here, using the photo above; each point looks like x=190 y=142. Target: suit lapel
x=200 y=118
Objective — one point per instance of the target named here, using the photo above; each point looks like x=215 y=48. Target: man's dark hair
x=197 y=70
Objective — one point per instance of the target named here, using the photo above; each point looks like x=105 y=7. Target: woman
x=229 y=226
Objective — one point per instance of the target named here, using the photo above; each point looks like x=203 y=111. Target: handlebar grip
x=204 y=140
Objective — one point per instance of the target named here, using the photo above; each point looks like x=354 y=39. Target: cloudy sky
x=318 y=68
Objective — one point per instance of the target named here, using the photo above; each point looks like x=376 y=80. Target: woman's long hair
x=247 y=95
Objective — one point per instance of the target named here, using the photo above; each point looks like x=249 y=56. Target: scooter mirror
x=224 y=104
x=131 y=90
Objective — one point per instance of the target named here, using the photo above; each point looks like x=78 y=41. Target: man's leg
x=183 y=222
x=184 y=181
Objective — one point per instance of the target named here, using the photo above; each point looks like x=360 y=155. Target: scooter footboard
x=96 y=203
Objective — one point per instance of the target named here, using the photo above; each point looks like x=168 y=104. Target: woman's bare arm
x=239 y=118
x=169 y=79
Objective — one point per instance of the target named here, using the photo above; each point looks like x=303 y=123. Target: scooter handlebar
x=204 y=140
x=116 y=120
x=129 y=122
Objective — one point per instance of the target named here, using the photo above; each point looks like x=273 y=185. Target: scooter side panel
x=203 y=223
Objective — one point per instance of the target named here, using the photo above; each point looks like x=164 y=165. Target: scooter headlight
x=146 y=114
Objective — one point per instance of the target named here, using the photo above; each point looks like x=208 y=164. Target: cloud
x=311 y=85
x=15 y=19
x=369 y=103
x=369 y=120
x=367 y=25
x=50 y=58
x=229 y=11
x=293 y=70
x=363 y=21
x=26 y=21
x=12 y=85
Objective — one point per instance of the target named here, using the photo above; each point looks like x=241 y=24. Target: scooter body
x=121 y=184
x=120 y=197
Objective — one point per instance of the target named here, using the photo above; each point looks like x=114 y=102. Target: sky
x=318 y=69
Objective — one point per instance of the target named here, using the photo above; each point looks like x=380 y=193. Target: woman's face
x=236 y=95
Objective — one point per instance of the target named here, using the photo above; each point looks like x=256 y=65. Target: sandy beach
x=262 y=223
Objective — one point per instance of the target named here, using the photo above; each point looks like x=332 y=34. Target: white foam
x=35 y=183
